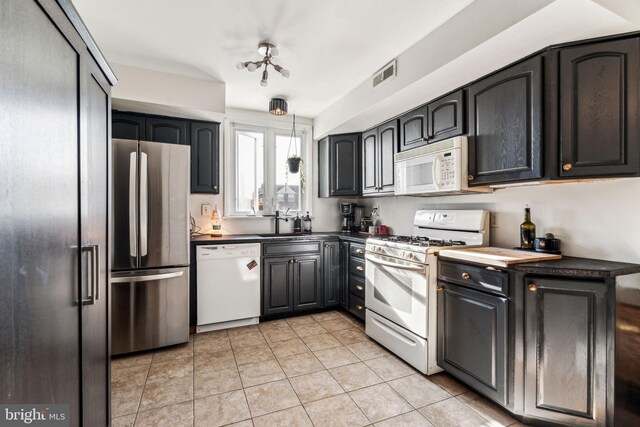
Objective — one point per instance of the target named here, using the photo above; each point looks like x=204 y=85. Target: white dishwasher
x=228 y=290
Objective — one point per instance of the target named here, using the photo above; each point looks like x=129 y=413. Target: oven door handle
x=377 y=260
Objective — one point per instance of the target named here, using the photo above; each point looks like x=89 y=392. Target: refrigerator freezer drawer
x=149 y=309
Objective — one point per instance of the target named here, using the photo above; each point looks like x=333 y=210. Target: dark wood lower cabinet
x=277 y=286
x=472 y=338
x=566 y=350
x=307 y=283
x=331 y=262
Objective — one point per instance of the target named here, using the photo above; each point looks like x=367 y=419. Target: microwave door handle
x=437 y=176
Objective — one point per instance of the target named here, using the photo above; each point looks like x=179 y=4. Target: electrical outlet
x=205 y=209
x=494 y=220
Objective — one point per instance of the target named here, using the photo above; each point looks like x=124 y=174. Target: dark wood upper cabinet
x=598 y=109
x=414 y=128
x=446 y=117
x=166 y=129
x=339 y=165
x=379 y=147
x=127 y=126
x=205 y=157
x=439 y=119
x=505 y=125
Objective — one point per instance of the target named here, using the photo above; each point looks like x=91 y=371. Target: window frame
x=269 y=168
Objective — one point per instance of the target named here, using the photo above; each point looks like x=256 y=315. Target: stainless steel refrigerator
x=150 y=264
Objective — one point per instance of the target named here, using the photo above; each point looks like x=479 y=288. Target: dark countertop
x=258 y=237
x=579 y=267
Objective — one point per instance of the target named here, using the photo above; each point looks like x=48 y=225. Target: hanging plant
x=300 y=165
x=293 y=159
x=293 y=164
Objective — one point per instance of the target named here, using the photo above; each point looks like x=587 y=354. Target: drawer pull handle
x=439 y=288
x=470 y=178
x=360 y=287
x=567 y=167
x=533 y=287
x=359 y=307
x=359 y=251
x=359 y=268
x=466 y=276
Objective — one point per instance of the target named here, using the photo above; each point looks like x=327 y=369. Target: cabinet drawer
x=290 y=248
x=356 y=286
x=480 y=278
x=356 y=267
x=356 y=250
x=356 y=306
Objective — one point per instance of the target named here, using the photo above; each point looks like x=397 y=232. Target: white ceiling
x=330 y=46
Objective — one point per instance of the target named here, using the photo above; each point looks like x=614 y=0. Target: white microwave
x=435 y=169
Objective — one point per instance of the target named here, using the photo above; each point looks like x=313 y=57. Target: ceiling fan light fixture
x=252 y=67
x=278 y=106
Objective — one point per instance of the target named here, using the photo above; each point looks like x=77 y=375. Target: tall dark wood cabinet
x=54 y=163
x=339 y=165
x=597 y=85
x=565 y=348
x=205 y=157
x=379 y=146
x=505 y=125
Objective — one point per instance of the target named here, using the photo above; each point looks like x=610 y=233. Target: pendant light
x=278 y=106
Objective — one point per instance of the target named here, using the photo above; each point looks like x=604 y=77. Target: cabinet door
x=565 y=351
x=331 y=277
x=414 y=128
x=387 y=148
x=205 y=157
x=324 y=168
x=472 y=338
x=599 y=109
x=277 y=285
x=505 y=123
x=307 y=284
x=127 y=126
x=370 y=162
x=345 y=164
x=39 y=215
x=165 y=129
x=446 y=117
x=94 y=183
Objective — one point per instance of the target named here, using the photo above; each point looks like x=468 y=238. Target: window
x=260 y=181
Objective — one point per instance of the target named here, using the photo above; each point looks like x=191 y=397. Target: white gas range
x=401 y=280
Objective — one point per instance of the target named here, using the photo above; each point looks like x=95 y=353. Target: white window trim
x=270 y=133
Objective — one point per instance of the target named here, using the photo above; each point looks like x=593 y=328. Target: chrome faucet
x=278 y=219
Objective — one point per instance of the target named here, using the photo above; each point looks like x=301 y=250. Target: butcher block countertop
x=567 y=266
x=497 y=257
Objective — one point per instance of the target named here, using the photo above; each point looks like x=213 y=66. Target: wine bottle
x=216 y=224
x=527 y=230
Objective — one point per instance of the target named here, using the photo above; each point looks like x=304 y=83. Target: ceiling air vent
x=387 y=72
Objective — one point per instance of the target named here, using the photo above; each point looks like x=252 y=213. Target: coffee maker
x=349 y=212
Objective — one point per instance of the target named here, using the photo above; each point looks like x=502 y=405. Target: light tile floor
x=313 y=370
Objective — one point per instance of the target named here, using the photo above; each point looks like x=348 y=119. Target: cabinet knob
x=359 y=251
x=359 y=307
x=333 y=190
x=533 y=287
x=360 y=287
x=215 y=187
x=471 y=178
x=567 y=167
x=359 y=268
x=466 y=276
x=439 y=288
x=425 y=138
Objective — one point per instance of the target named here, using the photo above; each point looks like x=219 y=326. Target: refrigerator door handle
x=144 y=204
x=93 y=250
x=133 y=233
x=148 y=278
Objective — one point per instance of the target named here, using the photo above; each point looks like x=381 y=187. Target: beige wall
x=593 y=219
